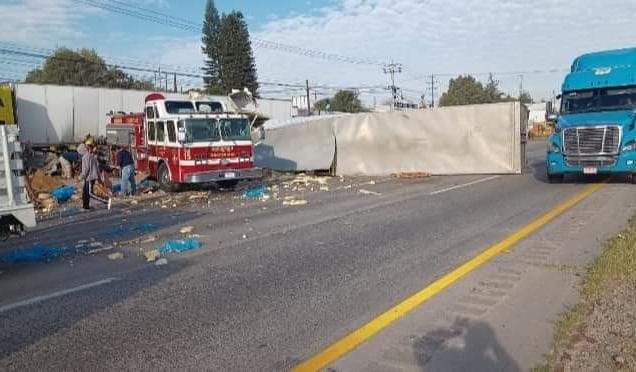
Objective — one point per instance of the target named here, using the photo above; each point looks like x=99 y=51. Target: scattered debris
x=256 y=192
x=63 y=194
x=100 y=250
x=34 y=254
x=95 y=244
x=411 y=175
x=178 y=246
x=149 y=239
x=368 y=192
x=244 y=236
x=116 y=256
x=41 y=183
x=198 y=196
x=152 y=256
x=161 y=262
x=294 y=202
x=186 y=230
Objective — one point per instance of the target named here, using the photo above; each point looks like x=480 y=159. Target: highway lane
x=271 y=287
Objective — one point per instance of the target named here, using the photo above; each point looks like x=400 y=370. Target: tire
x=555 y=178
x=163 y=177
x=229 y=184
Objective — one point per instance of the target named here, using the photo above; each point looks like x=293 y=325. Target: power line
x=184 y=25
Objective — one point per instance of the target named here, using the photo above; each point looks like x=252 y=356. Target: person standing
x=90 y=174
x=126 y=166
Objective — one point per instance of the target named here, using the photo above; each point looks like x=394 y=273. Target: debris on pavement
x=256 y=192
x=369 y=192
x=161 y=262
x=34 y=254
x=100 y=250
x=294 y=202
x=152 y=256
x=63 y=194
x=116 y=256
x=179 y=246
x=186 y=230
x=42 y=183
x=411 y=175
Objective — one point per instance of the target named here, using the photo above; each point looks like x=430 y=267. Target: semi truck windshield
x=606 y=99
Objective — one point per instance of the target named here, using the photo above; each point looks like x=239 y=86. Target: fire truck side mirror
x=181 y=135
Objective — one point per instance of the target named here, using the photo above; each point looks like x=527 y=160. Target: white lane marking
x=49 y=296
x=464 y=185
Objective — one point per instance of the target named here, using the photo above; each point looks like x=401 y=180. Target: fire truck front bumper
x=223 y=175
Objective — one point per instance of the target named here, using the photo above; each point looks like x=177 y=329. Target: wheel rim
x=165 y=177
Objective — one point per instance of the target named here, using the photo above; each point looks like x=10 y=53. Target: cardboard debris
x=116 y=256
x=41 y=183
x=186 y=230
x=368 y=192
x=294 y=202
x=44 y=196
x=411 y=175
x=152 y=256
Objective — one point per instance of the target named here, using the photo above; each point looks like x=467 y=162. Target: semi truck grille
x=595 y=162
x=601 y=140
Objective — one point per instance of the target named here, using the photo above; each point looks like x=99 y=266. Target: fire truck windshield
x=201 y=130
x=235 y=129
x=179 y=107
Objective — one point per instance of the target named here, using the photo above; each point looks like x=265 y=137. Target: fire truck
x=180 y=141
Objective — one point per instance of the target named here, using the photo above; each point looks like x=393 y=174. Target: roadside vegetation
x=599 y=333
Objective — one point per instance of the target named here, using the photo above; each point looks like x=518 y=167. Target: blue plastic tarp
x=33 y=254
x=63 y=194
x=178 y=246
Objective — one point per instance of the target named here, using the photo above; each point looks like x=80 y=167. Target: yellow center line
x=343 y=346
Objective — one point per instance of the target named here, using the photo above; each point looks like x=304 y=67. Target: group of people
x=91 y=171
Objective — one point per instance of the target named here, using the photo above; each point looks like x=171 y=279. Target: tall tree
x=346 y=101
x=210 y=48
x=526 y=98
x=236 y=59
x=466 y=90
x=82 y=68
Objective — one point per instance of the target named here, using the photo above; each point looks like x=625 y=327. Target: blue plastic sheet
x=33 y=254
x=256 y=192
x=63 y=194
x=178 y=246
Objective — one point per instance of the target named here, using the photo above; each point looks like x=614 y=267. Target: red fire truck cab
x=186 y=142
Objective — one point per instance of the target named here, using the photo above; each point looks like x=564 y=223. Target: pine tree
x=236 y=59
x=210 y=48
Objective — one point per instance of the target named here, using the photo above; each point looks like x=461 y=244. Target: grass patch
x=616 y=263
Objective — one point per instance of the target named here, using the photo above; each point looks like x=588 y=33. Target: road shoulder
x=477 y=324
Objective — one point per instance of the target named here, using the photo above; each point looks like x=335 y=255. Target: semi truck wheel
x=163 y=177
x=556 y=178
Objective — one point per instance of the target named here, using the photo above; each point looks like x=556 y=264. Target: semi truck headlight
x=553 y=147
x=629 y=146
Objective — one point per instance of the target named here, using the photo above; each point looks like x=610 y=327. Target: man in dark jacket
x=126 y=166
x=90 y=174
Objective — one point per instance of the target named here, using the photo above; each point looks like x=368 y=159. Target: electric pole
x=392 y=69
x=432 y=91
x=175 y=82
x=308 y=103
x=520 y=86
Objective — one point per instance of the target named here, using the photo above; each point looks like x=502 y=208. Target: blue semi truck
x=595 y=129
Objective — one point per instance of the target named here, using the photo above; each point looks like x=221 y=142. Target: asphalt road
x=271 y=286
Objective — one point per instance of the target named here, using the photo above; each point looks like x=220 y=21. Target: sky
x=523 y=42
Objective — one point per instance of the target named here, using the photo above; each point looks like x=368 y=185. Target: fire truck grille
x=602 y=140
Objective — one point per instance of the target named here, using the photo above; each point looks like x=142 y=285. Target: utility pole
x=520 y=86
x=391 y=69
x=175 y=82
x=316 y=100
x=432 y=91
x=308 y=103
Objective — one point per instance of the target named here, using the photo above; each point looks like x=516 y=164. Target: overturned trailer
x=476 y=139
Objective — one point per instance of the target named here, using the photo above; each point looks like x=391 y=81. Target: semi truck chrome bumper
x=223 y=175
x=559 y=164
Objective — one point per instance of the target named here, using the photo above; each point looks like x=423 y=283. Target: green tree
x=210 y=48
x=236 y=60
x=82 y=68
x=346 y=101
x=526 y=98
x=466 y=90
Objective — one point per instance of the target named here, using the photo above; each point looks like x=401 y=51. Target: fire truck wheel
x=230 y=184
x=163 y=177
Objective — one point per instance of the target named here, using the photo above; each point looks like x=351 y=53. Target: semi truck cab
x=595 y=129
